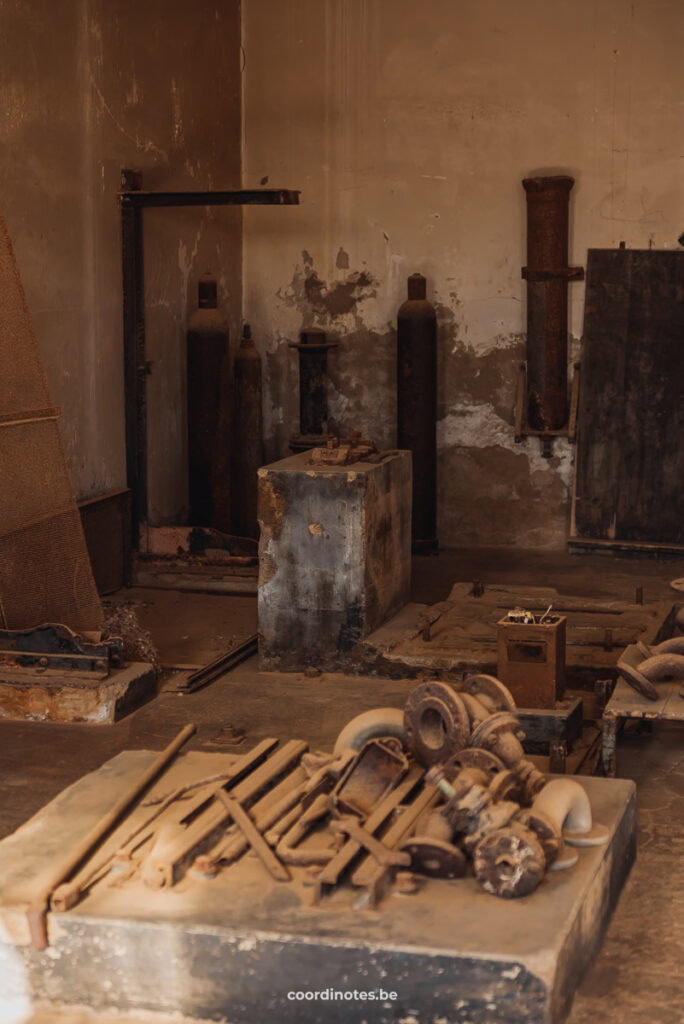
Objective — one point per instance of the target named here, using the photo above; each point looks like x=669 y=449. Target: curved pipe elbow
x=675 y=645
x=371 y=725
x=566 y=803
x=663 y=666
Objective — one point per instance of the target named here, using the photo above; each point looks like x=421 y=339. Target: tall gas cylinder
x=209 y=420
x=247 y=450
x=417 y=407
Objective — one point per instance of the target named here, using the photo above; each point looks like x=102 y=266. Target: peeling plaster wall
x=88 y=87
x=409 y=128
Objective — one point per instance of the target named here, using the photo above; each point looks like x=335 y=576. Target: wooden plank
x=630 y=461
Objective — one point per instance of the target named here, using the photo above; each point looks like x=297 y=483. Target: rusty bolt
x=407 y=883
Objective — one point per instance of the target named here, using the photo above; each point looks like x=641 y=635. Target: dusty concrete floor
x=636 y=977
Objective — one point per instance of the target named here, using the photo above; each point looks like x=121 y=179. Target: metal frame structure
x=134 y=200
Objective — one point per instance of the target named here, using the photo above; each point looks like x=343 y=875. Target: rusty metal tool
x=37 y=912
x=332 y=872
x=284 y=824
x=378 y=851
x=254 y=837
x=377 y=878
x=66 y=896
x=286 y=848
x=205 y=828
x=272 y=808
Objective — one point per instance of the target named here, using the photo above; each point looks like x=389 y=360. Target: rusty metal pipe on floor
x=38 y=910
x=662 y=666
x=547 y=274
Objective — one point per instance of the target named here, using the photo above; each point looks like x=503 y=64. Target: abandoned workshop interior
x=341 y=512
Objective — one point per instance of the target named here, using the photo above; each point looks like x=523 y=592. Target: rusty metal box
x=531 y=660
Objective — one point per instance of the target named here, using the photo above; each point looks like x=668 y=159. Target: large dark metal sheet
x=630 y=455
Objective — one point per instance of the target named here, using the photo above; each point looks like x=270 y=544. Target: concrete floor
x=636 y=977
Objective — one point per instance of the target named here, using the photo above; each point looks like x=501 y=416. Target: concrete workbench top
x=233 y=947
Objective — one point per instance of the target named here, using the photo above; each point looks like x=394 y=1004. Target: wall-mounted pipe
x=547 y=274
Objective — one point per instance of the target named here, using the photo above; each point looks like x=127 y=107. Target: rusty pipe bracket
x=566 y=273
x=546 y=437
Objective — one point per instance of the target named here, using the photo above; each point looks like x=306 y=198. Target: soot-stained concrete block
x=239 y=947
x=334 y=556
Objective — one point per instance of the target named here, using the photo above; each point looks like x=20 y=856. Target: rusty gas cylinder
x=209 y=422
x=417 y=407
x=247 y=443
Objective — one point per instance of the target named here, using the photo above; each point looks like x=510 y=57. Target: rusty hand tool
x=205 y=826
x=286 y=847
x=67 y=895
x=37 y=912
x=381 y=853
x=254 y=838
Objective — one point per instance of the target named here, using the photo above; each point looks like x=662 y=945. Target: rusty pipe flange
x=637 y=681
x=509 y=862
x=546 y=832
x=490 y=691
x=473 y=757
x=501 y=733
x=434 y=857
x=436 y=722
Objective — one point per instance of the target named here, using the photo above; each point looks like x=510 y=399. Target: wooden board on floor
x=464 y=637
x=630 y=459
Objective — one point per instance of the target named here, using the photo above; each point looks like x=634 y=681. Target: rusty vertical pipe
x=547 y=274
x=417 y=407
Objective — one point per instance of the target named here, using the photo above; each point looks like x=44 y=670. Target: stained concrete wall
x=409 y=128
x=88 y=87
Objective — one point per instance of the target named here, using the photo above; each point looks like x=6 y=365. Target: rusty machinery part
x=675 y=645
x=566 y=804
x=54 y=646
x=637 y=680
x=377 y=768
x=326 y=777
x=434 y=825
x=433 y=857
x=436 y=722
x=509 y=862
x=491 y=818
x=343 y=451
x=370 y=725
x=678 y=584
x=490 y=692
x=473 y=757
x=501 y=733
x=547 y=833
x=532 y=780
x=679 y=618
x=506 y=785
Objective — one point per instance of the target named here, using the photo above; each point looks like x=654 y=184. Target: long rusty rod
x=37 y=911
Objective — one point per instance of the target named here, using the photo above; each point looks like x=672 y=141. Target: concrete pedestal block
x=244 y=948
x=334 y=556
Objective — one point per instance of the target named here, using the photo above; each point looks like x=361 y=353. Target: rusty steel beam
x=547 y=274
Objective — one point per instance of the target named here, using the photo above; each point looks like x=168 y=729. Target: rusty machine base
x=236 y=946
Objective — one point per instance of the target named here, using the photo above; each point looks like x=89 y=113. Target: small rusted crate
x=531 y=660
